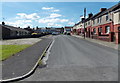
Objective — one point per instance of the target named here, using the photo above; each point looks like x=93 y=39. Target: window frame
x=98 y=20
x=94 y=30
x=107 y=17
x=100 y=29
x=107 y=30
x=94 y=22
x=119 y=16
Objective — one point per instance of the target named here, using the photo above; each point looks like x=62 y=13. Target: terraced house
x=105 y=25
x=78 y=28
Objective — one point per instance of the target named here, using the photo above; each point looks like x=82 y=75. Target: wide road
x=74 y=59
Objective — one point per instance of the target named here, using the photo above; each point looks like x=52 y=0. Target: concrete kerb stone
x=43 y=61
x=27 y=74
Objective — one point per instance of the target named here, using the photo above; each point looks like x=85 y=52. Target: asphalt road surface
x=74 y=59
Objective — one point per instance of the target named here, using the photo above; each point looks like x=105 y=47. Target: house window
x=89 y=23
x=119 y=17
x=100 y=19
x=25 y=33
x=100 y=29
x=118 y=28
x=17 y=33
x=94 y=30
x=20 y=33
x=107 y=17
x=93 y=21
x=107 y=29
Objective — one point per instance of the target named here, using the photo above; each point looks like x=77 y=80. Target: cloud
x=52 y=9
x=55 y=25
x=23 y=20
x=54 y=15
x=20 y=23
x=52 y=20
x=64 y=20
x=56 y=10
x=71 y=23
x=32 y=16
x=47 y=8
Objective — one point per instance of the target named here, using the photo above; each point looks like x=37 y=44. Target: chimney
x=3 y=23
x=103 y=9
x=82 y=19
x=90 y=15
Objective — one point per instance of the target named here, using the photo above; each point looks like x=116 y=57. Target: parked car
x=68 y=34
x=55 y=33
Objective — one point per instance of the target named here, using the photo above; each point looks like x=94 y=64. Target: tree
x=28 y=27
x=37 y=28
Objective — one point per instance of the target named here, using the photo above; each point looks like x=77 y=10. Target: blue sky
x=48 y=14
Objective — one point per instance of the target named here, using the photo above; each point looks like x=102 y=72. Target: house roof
x=113 y=8
x=68 y=26
x=87 y=19
x=118 y=10
x=12 y=28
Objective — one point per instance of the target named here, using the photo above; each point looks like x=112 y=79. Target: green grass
x=8 y=50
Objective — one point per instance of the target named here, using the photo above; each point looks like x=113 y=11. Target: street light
x=84 y=20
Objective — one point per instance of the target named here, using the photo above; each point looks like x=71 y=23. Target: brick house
x=88 y=25
x=79 y=28
x=75 y=29
x=116 y=19
x=68 y=29
x=105 y=25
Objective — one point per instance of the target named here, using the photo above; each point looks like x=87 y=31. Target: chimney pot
x=82 y=19
x=103 y=9
x=90 y=15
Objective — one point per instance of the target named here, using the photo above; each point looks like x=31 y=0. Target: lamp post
x=84 y=21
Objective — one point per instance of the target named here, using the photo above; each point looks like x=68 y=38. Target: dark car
x=68 y=34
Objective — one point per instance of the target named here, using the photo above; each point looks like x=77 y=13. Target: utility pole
x=84 y=21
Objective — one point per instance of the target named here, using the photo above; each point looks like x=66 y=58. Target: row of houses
x=10 y=32
x=105 y=25
x=49 y=30
x=7 y=32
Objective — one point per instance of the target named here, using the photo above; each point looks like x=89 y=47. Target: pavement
x=23 y=62
x=76 y=59
x=108 y=44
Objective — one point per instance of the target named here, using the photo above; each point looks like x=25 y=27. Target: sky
x=48 y=14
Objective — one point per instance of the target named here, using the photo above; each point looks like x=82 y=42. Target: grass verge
x=8 y=50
